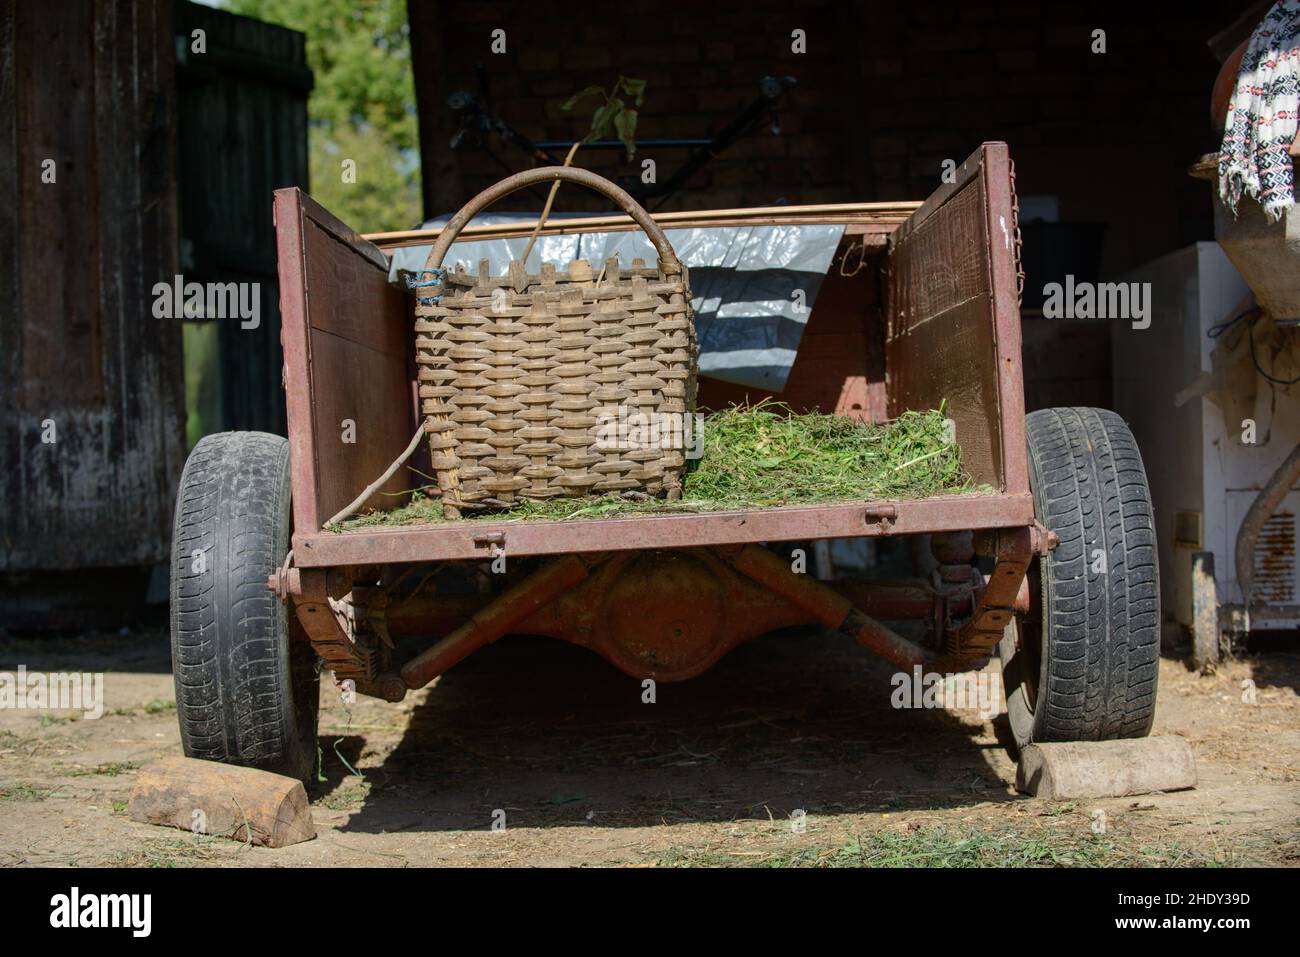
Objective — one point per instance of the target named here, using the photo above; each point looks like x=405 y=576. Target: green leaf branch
x=613 y=118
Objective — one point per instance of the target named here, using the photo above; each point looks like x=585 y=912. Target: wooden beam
x=884 y=214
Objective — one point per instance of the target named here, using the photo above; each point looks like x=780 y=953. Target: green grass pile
x=765 y=455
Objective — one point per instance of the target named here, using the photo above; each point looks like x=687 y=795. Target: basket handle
x=668 y=261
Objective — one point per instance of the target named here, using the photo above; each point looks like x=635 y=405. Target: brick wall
x=886 y=92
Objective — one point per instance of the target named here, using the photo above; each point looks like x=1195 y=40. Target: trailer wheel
x=245 y=693
x=1082 y=664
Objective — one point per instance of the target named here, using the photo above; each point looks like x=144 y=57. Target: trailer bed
x=927 y=316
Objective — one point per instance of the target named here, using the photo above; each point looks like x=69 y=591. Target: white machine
x=1213 y=429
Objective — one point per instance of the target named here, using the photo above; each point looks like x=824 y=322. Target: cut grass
x=347 y=797
x=166 y=853
x=947 y=847
x=764 y=455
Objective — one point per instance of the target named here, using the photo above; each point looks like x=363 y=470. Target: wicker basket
x=520 y=374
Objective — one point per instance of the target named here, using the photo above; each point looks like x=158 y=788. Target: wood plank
x=971 y=167
x=11 y=343
x=61 y=320
x=369 y=313
x=941 y=344
x=866 y=214
x=249 y=93
x=102 y=494
x=369 y=388
x=347 y=356
x=469 y=539
x=950 y=358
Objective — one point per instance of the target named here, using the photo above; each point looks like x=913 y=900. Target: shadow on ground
x=144 y=649
x=551 y=735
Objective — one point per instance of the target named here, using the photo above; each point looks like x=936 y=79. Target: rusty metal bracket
x=343 y=642
x=348 y=631
x=494 y=542
x=286 y=580
x=954 y=579
x=1042 y=538
x=1013 y=550
x=882 y=516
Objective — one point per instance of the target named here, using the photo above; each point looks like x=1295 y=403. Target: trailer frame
x=348 y=358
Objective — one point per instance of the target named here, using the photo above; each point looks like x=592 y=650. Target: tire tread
x=231 y=656
x=1101 y=620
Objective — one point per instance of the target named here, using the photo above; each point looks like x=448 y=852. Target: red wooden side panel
x=953 y=320
x=346 y=337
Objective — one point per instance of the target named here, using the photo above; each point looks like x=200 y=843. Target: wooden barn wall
x=242 y=135
x=84 y=361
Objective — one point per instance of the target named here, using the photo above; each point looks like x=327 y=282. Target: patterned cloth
x=1261 y=122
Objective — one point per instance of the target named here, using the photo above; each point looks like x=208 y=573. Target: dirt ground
x=709 y=774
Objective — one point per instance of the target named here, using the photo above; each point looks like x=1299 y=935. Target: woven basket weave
x=516 y=372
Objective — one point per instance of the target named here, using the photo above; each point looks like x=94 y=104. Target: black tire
x=1082 y=664
x=246 y=693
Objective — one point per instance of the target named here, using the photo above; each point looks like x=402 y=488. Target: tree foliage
x=362 y=107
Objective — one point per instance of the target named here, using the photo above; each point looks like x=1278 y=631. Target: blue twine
x=437 y=275
x=435 y=281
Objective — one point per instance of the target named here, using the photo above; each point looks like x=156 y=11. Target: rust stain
x=1275 y=559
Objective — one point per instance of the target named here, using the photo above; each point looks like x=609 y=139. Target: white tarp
x=744 y=280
